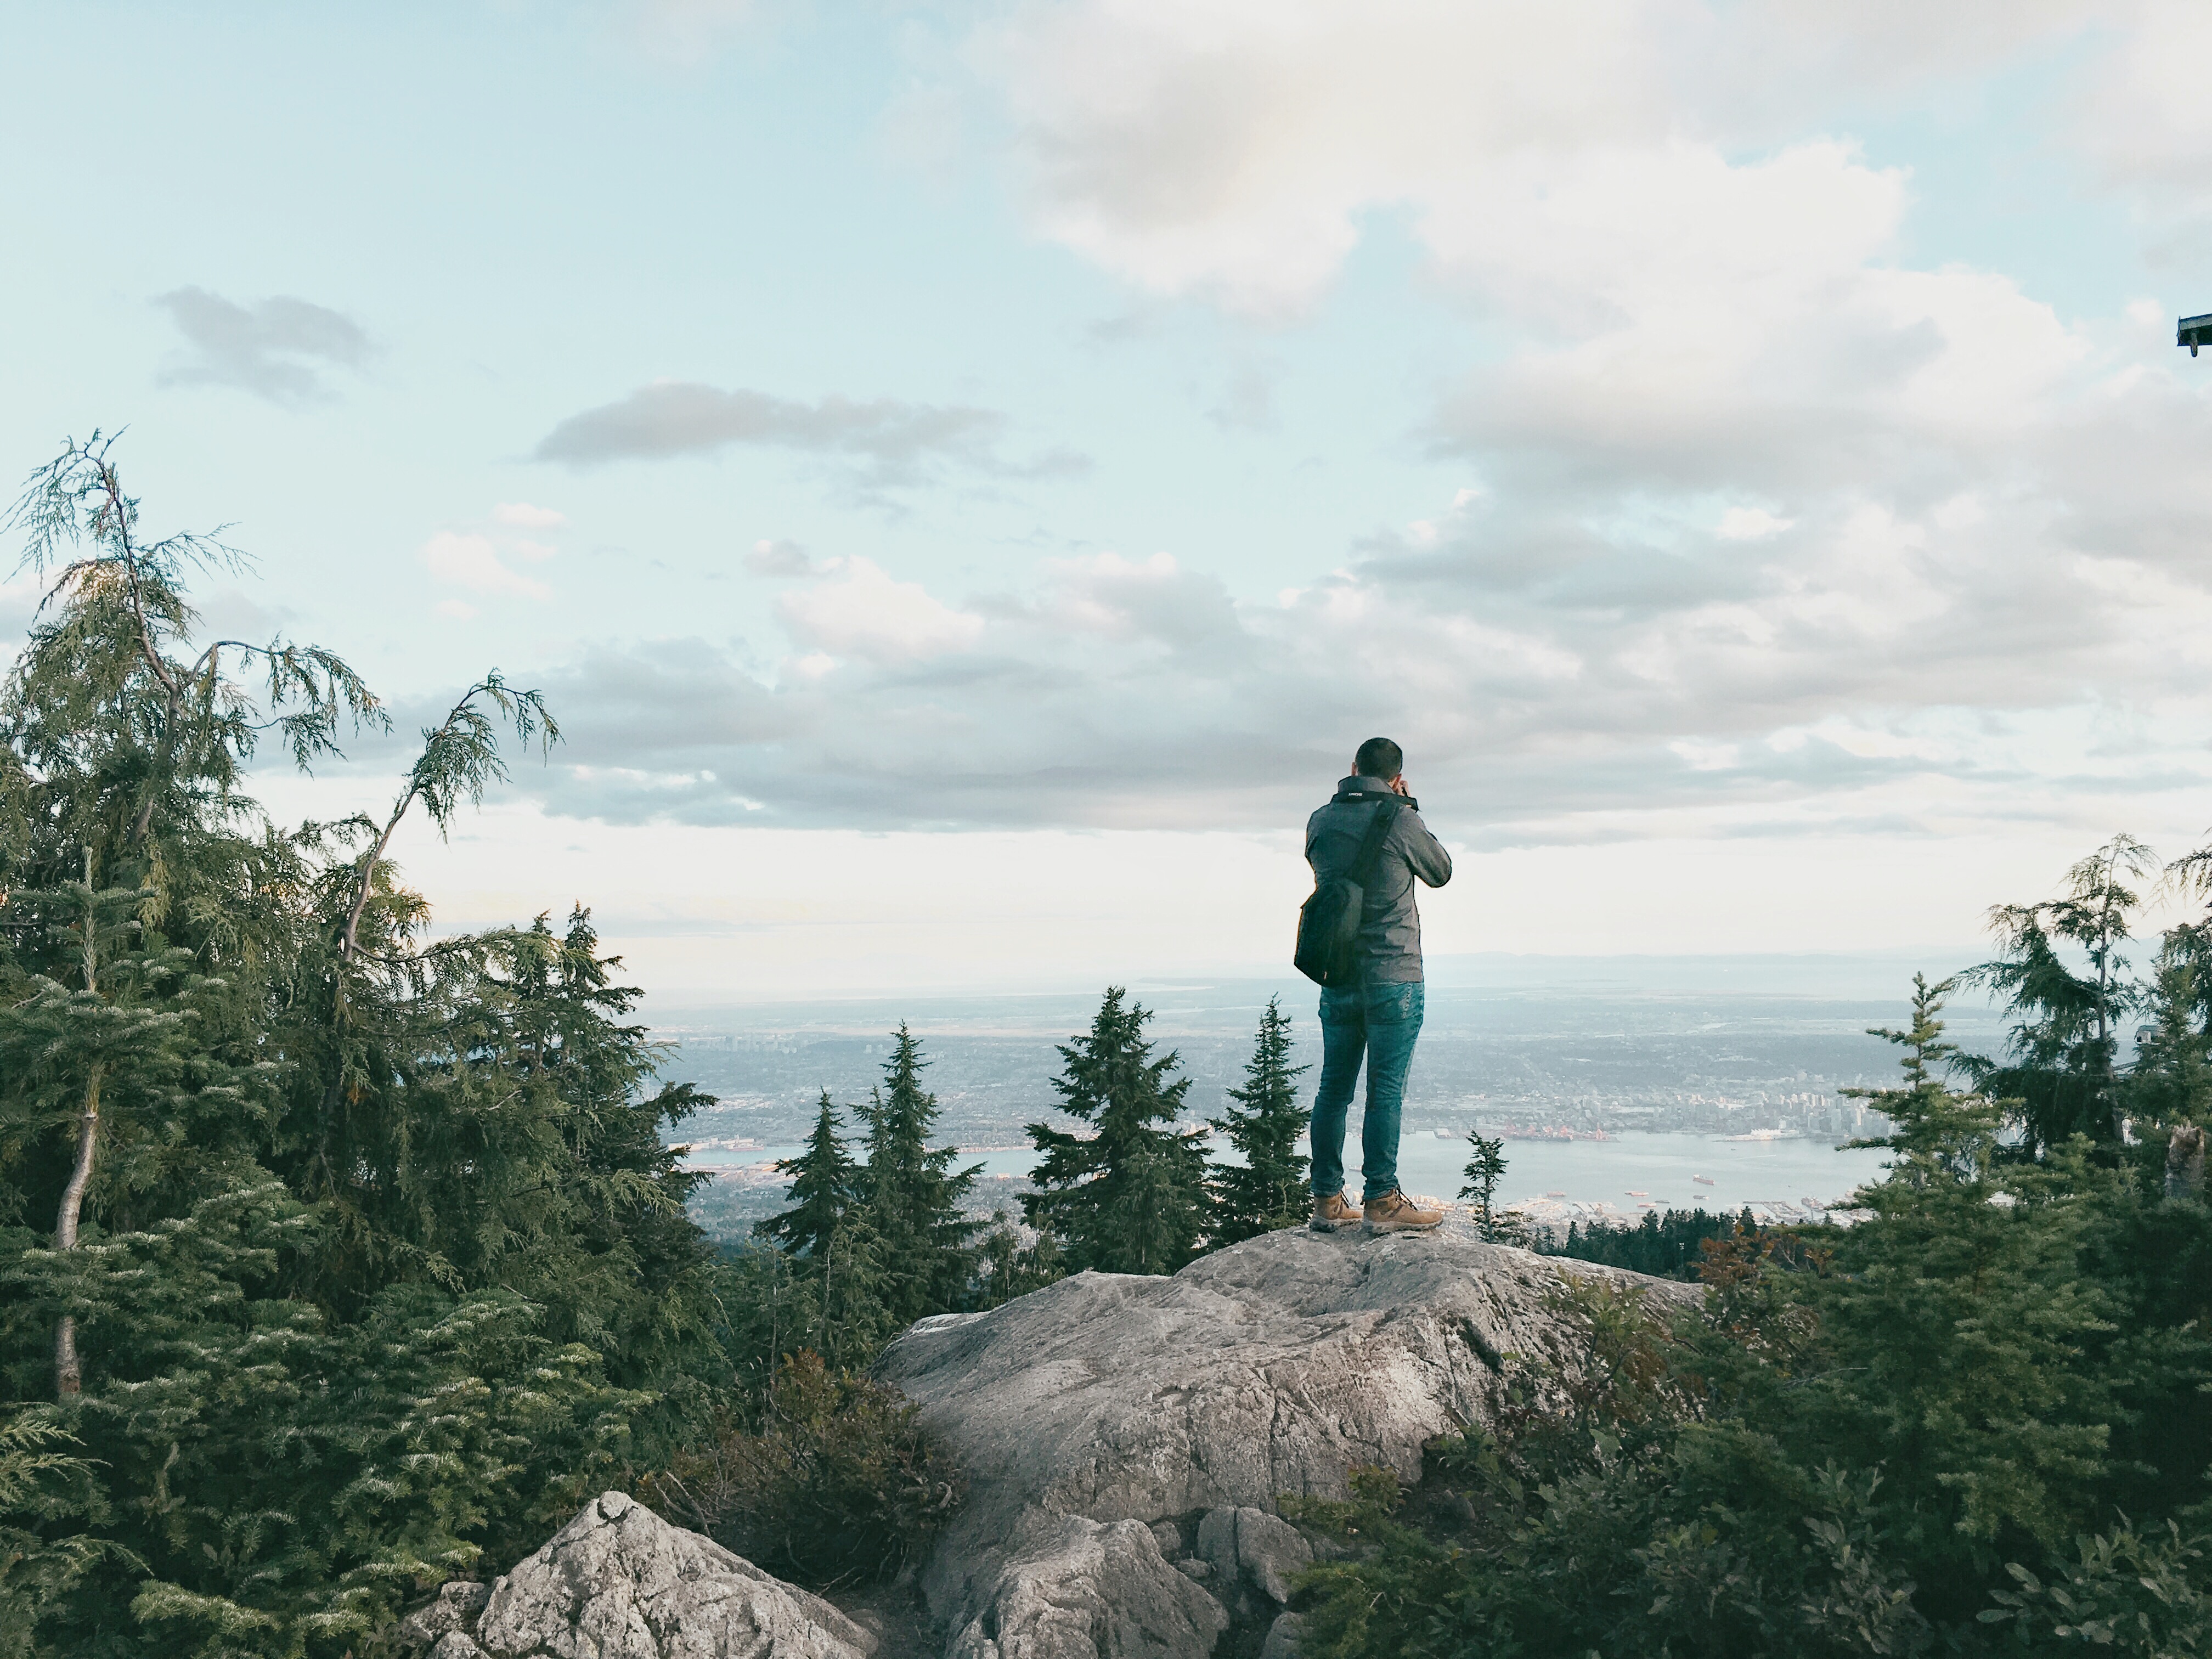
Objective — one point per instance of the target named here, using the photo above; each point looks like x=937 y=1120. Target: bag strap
x=1370 y=848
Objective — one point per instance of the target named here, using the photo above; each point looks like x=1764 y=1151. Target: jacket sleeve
x=1425 y=853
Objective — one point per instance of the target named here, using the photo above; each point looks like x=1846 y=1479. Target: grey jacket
x=1389 y=924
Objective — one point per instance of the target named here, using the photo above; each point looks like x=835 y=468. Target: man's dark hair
x=1379 y=757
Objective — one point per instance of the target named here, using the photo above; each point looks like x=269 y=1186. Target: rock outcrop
x=619 y=1583
x=1124 y=1439
x=1073 y=1586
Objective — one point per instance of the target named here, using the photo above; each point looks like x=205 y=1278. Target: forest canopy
x=334 y=1256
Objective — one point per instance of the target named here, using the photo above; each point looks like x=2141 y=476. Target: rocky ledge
x=1124 y=1439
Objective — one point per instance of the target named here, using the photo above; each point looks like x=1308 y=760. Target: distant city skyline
x=967 y=475
x=1592 y=1056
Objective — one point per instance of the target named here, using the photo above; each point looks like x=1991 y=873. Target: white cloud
x=778 y=558
x=1230 y=147
x=1944 y=662
x=861 y=612
x=478 y=562
x=464 y=560
x=2144 y=115
x=1692 y=293
x=1750 y=524
x=1227 y=148
x=1701 y=328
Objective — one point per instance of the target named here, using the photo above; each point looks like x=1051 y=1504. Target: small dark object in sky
x=2194 y=331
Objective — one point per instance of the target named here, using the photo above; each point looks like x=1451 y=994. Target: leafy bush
x=836 y=1484
x=2123 y=1593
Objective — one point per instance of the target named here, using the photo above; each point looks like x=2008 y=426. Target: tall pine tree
x=1485 y=1168
x=912 y=1195
x=825 y=1183
x=2170 y=1083
x=1130 y=1198
x=837 y=1246
x=1269 y=1189
x=2061 y=1067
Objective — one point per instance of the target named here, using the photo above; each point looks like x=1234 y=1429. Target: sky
x=967 y=478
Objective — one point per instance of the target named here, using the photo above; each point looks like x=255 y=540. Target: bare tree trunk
x=346 y=946
x=69 y=1376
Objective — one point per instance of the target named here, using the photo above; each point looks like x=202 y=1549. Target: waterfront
x=1765 y=1174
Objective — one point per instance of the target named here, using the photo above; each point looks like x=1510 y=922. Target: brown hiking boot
x=1394 y=1212
x=1332 y=1214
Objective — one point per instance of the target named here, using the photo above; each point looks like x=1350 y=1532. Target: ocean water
x=1661 y=1168
x=1623 y=1172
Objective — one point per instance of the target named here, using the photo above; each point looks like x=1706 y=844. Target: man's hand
x=1397 y=784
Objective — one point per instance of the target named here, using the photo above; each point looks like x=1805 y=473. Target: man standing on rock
x=1378 y=1016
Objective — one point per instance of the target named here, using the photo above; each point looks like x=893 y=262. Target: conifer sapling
x=1270 y=1188
x=1131 y=1197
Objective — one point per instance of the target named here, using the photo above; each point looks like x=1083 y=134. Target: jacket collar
x=1360 y=788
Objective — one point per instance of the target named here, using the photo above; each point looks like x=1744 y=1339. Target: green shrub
x=837 y=1484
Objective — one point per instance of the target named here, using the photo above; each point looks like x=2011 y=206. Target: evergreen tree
x=1269 y=1189
x=1131 y=1197
x=47 y=1497
x=854 y=1271
x=825 y=1183
x=1973 y=1423
x=1929 y=1127
x=1006 y=1267
x=1485 y=1168
x=2062 y=1064
x=1668 y=1246
x=2169 y=1084
x=2171 y=1081
x=912 y=1195
x=837 y=1247
x=773 y=1307
x=368 y=1258
x=104 y=1061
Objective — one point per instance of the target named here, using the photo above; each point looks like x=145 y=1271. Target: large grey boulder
x=619 y=1583
x=1246 y=1545
x=1078 y=1588
x=1283 y=1635
x=1272 y=1367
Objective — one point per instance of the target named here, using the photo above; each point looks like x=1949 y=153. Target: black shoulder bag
x=1329 y=922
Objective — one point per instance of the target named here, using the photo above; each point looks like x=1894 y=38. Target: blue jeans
x=1381 y=1022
